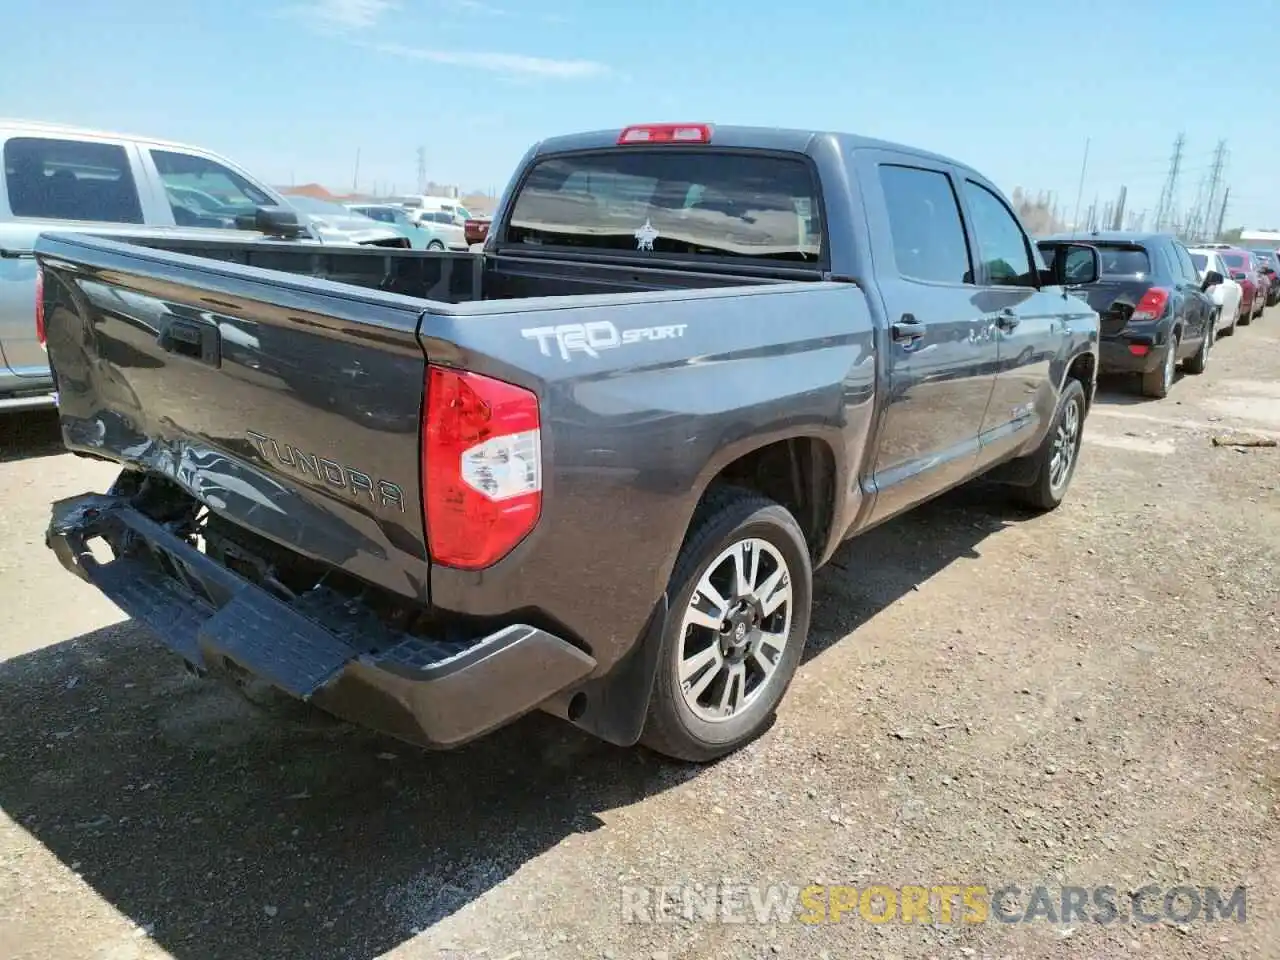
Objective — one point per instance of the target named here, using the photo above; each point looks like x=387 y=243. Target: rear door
x=63 y=181
x=1027 y=322
x=941 y=351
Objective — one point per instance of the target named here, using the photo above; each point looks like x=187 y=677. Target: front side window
x=70 y=180
x=1002 y=245
x=204 y=193
x=678 y=202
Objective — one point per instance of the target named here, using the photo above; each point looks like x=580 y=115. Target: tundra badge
x=381 y=493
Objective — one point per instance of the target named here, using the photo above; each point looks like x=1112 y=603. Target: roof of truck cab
x=760 y=138
x=46 y=126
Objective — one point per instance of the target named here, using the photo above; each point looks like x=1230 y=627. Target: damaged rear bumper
x=438 y=693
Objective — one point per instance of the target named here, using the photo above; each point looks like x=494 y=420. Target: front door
x=941 y=354
x=1027 y=322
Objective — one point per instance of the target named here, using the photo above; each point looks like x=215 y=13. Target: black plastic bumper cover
x=423 y=691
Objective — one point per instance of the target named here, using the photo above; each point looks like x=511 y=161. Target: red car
x=1253 y=284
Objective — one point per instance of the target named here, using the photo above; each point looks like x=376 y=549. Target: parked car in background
x=58 y=177
x=1269 y=265
x=1244 y=270
x=449 y=227
x=1227 y=295
x=422 y=235
x=1153 y=306
x=336 y=224
x=420 y=203
x=675 y=400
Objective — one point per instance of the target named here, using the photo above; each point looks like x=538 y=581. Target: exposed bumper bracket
x=435 y=693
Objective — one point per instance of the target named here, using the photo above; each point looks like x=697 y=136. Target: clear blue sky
x=291 y=88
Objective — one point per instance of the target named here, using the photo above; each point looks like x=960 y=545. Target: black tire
x=727 y=515
x=1197 y=364
x=1246 y=318
x=1232 y=328
x=1046 y=493
x=1159 y=381
x=435 y=245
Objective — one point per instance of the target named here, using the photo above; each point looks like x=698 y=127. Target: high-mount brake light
x=665 y=133
x=481 y=467
x=41 y=333
x=1152 y=305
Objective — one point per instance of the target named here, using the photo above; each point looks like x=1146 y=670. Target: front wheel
x=435 y=245
x=1059 y=452
x=740 y=594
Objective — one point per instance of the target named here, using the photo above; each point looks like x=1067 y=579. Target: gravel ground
x=1087 y=698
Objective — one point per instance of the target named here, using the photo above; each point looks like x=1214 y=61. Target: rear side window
x=1123 y=261
x=673 y=202
x=1201 y=261
x=1235 y=261
x=924 y=220
x=70 y=180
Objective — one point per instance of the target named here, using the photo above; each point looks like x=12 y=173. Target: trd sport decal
x=591 y=338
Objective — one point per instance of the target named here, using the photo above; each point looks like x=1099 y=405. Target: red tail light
x=666 y=133
x=481 y=467
x=1152 y=305
x=41 y=335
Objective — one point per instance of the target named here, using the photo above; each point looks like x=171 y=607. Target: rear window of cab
x=672 y=203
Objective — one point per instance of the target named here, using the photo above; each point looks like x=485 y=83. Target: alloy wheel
x=734 y=630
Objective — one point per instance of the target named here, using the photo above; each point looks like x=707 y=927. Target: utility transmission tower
x=1222 y=213
x=422 y=169
x=1167 y=209
x=1215 y=183
x=1117 y=222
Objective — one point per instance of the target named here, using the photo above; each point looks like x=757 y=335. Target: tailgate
x=1114 y=300
x=288 y=406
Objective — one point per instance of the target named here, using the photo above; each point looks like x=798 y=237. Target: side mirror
x=1211 y=279
x=1076 y=264
x=279 y=222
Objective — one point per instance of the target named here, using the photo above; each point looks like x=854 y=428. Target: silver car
x=69 y=179
x=334 y=223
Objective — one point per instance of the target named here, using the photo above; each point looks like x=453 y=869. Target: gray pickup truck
x=589 y=470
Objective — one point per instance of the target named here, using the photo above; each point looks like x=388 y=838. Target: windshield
x=1123 y=261
x=681 y=202
x=1266 y=256
x=320 y=207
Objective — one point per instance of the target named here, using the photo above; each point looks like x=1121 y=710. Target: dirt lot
x=1087 y=698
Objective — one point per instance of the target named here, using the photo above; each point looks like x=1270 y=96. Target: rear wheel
x=1159 y=381
x=1235 y=318
x=1197 y=363
x=1059 y=452
x=740 y=598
